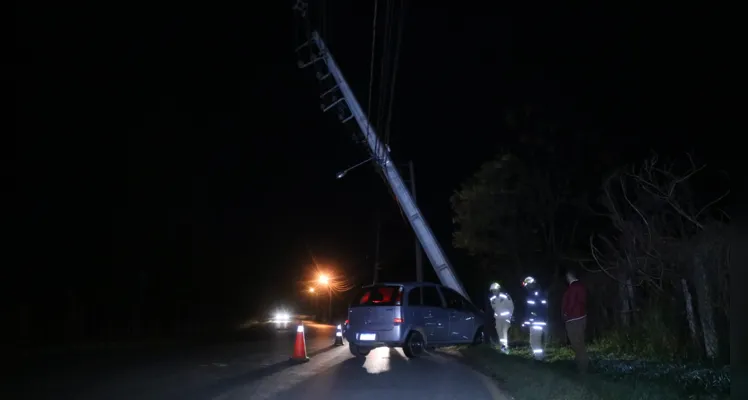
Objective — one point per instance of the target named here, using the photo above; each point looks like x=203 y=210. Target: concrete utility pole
x=376 y=251
x=329 y=303
x=338 y=96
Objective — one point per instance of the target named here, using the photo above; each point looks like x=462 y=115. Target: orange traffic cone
x=299 y=347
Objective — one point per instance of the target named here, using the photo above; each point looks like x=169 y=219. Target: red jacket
x=574 y=303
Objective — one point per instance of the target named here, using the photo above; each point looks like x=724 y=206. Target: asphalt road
x=164 y=371
x=384 y=373
x=256 y=369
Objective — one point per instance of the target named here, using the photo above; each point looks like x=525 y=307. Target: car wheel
x=358 y=351
x=479 y=338
x=413 y=345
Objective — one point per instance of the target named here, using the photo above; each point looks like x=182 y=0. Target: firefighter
x=536 y=316
x=503 y=308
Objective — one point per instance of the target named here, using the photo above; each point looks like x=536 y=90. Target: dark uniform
x=536 y=316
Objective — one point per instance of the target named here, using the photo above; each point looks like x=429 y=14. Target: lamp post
x=325 y=280
x=315 y=302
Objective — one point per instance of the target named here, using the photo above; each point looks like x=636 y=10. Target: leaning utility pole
x=341 y=98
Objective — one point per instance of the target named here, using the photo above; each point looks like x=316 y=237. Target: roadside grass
x=610 y=376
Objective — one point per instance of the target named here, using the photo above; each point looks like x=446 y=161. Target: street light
x=345 y=171
x=311 y=290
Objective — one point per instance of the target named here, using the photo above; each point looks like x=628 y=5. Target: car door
x=461 y=319
x=435 y=315
x=418 y=316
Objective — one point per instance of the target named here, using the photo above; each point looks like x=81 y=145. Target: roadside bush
x=651 y=339
x=516 y=334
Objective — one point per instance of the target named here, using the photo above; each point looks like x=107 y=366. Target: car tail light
x=346 y=322
x=398 y=320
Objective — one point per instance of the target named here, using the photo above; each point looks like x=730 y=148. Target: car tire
x=358 y=351
x=479 y=338
x=414 y=345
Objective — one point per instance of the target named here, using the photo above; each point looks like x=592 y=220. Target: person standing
x=503 y=308
x=536 y=316
x=574 y=311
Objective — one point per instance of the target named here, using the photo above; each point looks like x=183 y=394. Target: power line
x=384 y=68
x=383 y=96
x=396 y=63
x=388 y=120
x=371 y=69
x=323 y=25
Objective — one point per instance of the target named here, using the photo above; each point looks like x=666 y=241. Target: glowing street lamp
x=311 y=290
x=342 y=173
x=323 y=279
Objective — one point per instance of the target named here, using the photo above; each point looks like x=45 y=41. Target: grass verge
x=556 y=377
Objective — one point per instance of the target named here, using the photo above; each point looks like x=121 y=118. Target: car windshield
x=379 y=295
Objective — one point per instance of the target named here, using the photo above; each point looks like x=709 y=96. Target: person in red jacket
x=574 y=311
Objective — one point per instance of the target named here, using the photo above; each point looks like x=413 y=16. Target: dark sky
x=181 y=149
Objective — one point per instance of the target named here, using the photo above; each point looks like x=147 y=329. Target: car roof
x=408 y=285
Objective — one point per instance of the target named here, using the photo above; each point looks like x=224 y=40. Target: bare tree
x=654 y=217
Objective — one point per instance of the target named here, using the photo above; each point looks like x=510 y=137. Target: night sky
x=181 y=151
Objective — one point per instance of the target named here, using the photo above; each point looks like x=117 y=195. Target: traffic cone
x=338 y=336
x=299 y=347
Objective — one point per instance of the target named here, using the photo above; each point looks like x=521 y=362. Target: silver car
x=412 y=316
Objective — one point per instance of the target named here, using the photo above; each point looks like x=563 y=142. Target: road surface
x=385 y=373
x=166 y=371
x=257 y=369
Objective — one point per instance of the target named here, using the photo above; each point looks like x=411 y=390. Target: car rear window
x=380 y=295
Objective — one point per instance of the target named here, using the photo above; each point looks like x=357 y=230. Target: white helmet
x=495 y=286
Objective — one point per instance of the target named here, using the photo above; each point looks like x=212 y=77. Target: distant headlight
x=282 y=317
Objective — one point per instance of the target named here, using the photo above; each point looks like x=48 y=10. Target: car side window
x=454 y=300
x=414 y=297
x=431 y=297
x=471 y=307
